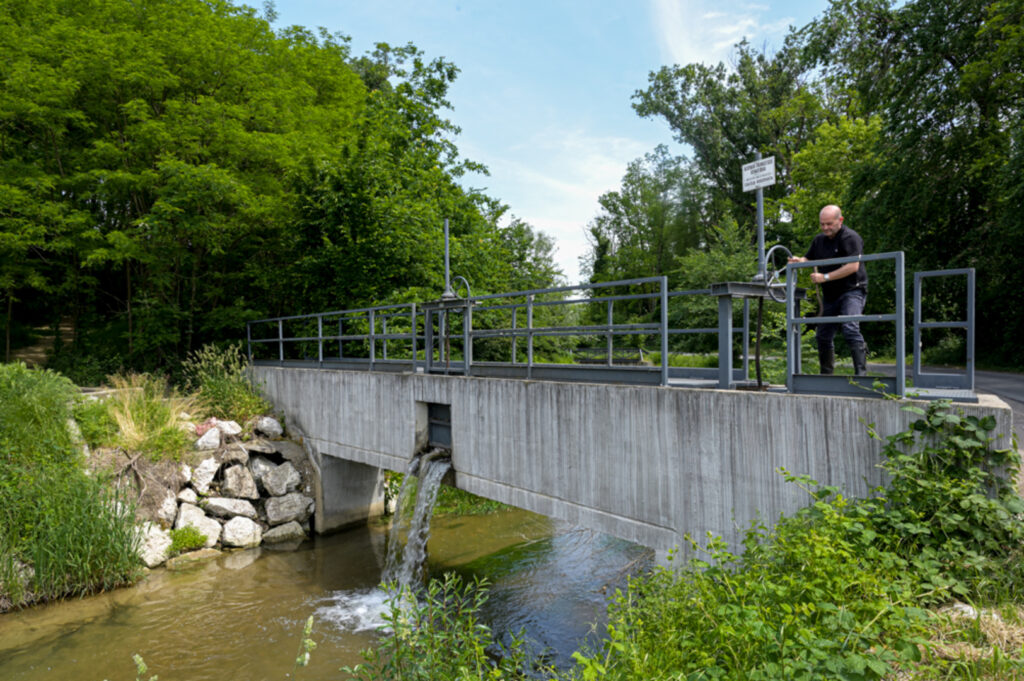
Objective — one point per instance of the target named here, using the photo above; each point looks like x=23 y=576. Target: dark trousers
x=850 y=303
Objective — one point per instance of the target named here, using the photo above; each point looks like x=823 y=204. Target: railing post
x=384 y=330
x=514 y=311
x=412 y=330
x=280 y=340
x=248 y=340
x=320 y=338
x=467 y=338
x=970 y=329
x=746 y=339
x=373 y=339
x=792 y=328
x=529 y=335
x=901 y=351
x=664 y=330
x=610 y=345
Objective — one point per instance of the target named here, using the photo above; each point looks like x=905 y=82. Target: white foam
x=361 y=610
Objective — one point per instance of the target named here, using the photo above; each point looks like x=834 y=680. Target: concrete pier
x=644 y=463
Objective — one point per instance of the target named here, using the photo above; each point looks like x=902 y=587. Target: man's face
x=830 y=223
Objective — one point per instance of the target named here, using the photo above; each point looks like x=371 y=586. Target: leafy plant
x=95 y=421
x=219 y=376
x=147 y=414
x=186 y=539
x=437 y=635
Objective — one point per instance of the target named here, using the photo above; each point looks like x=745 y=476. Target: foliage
x=147 y=412
x=186 y=539
x=306 y=645
x=95 y=421
x=838 y=590
x=454 y=501
x=220 y=379
x=34 y=409
x=437 y=635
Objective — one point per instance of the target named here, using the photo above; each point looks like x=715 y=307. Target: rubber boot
x=860 y=359
x=827 y=359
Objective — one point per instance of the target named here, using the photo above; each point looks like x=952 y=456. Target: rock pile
x=245 y=493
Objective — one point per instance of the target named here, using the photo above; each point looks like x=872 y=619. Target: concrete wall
x=647 y=464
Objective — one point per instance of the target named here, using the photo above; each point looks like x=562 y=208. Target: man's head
x=831 y=220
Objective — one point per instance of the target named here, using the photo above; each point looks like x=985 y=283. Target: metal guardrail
x=844 y=385
x=923 y=379
x=424 y=332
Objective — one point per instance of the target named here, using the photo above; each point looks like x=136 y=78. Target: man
x=844 y=288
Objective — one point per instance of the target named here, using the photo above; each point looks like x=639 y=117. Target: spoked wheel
x=775 y=277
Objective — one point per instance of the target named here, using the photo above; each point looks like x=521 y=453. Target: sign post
x=758 y=175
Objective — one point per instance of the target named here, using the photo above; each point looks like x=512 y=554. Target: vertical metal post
x=281 y=340
x=901 y=350
x=761 y=265
x=724 y=342
x=412 y=331
x=514 y=356
x=609 y=343
x=664 y=330
x=341 y=341
x=916 y=366
x=373 y=340
x=320 y=339
x=384 y=330
x=428 y=340
x=970 y=329
x=792 y=328
x=529 y=335
x=746 y=339
x=248 y=340
x=467 y=339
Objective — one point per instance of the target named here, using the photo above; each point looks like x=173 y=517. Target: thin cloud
x=694 y=32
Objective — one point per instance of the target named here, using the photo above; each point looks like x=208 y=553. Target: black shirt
x=846 y=242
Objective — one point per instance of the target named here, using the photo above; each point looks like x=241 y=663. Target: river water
x=240 y=616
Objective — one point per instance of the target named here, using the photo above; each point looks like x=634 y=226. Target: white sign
x=759 y=174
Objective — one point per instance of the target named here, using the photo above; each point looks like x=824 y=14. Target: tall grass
x=147 y=413
x=219 y=376
x=62 y=532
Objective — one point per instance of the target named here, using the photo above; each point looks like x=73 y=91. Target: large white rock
x=168 y=509
x=154 y=545
x=281 y=480
x=241 y=532
x=238 y=482
x=194 y=516
x=233 y=453
x=186 y=474
x=209 y=440
x=202 y=476
x=290 y=531
x=259 y=446
x=292 y=506
x=260 y=467
x=187 y=495
x=268 y=426
x=228 y=428
x=223 y=507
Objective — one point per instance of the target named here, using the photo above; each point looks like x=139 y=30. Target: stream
x=240 y=616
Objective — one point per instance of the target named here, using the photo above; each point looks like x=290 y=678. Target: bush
x=147 y=414
x=34 y=409
x=95 y=422
x=186 y=539
x=219 y=377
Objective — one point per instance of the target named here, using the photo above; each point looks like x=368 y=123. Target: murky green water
x=240 y=616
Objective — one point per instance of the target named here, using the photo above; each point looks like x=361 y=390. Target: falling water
x=405 y=564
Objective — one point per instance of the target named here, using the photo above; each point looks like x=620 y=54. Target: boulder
x=194 y=516
x=239 y=483
x=185 y=473
x=290 y=531
x=260 y=467
x=202 y=476
x=209 y=440
x=233 y=453
x=167 y=511
x=188 y=496
x=223 y=507
x=291 y=506
x=259 y=446
x=268 y=426
x=154 y=544
x=281 y=480
x=242 y=533
x=228 y=428
x=291 y=451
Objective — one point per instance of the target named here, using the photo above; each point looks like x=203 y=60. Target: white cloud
x=701 y=32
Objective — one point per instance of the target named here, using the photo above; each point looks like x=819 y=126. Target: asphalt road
x=1010 y=388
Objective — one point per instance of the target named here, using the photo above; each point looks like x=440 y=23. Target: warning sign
x=759 y=174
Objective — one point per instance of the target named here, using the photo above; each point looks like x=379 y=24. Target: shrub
x=147 y=414
x=219 y=376
x=34 y=409
x=186 y=539
x=95 y=421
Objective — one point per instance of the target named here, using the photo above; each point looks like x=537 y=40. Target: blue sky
x=544 y=93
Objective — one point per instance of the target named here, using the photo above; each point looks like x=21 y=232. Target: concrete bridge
x=647 y=463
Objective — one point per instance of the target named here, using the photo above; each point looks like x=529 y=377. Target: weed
x=98 y=427
x=186 y=539
x=219 y=377
x=147 y=414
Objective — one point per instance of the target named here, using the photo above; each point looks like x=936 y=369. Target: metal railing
x=923 y=379
x=359 y=338
x=856 y=385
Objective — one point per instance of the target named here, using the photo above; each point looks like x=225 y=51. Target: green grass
x=219 y=376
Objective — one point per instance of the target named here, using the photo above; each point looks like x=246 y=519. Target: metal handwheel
x=775 y=276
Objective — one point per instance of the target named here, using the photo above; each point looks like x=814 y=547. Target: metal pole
x=280 y=340
x=529 y=336
x=373 y=340
x=610 y=346
x=664 y=330
x=901 y=351
x=514 y=356
x=761 y=266
x=320 y=339
x=248 y=340
x=412 y=330
x=970 y=329
x=448 y=293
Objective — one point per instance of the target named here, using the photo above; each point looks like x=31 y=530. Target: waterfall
x=404 y=565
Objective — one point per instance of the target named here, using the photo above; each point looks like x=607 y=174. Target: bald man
x=844 y=288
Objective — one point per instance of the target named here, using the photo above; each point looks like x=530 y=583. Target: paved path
x=1010 y=388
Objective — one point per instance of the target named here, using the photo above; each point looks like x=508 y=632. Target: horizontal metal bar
x=943 y=325
x=842 y=319
x=891 y=255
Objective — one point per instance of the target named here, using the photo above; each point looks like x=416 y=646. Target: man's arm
x=843 y=271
